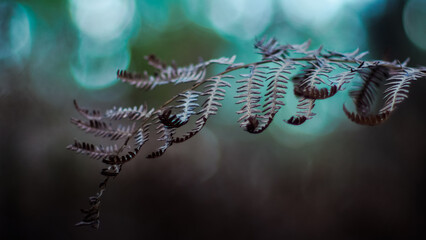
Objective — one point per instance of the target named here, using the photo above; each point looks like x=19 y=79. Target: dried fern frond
x=170 y=74
x=370 y=120
x=144 y=80
x=166 y=136
x=250 y=94
x=169 y=120
x=301 y=48
x=343 y=78
x=305 y=107
x=188 y=105
x=112 y=170
x=276 y=89
x=95 y=152
x=366 y=93
x=270 y=49
x=90 y=115
x=259 y=104
x=117 y=160
x=92 y=213
x=315 y=93
x=91 y=217
x=215 y=92
x=101 y=129
x=155 y=62
x=311 y=53
x=315 y=74
x=278 y=78
x=132 y=113
x=355 y=55
x=142 y=135
x=398 y=85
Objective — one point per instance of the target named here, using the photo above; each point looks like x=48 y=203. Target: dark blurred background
x=326 y=179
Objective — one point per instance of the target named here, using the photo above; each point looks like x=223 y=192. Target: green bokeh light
x=414 y=20
x=105 y=27
x=96 y=71
x=15 y=32
x=103 y=20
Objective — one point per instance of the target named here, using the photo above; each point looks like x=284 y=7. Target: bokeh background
x=326 y=179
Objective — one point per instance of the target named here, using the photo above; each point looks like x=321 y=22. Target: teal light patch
x=97 y=71
x=195 y=10
x=15 y=32
x=105 y=27
x=310 y=14
x=154 y=14
x=103 y=20
x=244 y=19
x=414 y=20
x=345 y=34
x=369 y=8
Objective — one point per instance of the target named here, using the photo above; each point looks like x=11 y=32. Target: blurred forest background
x=326 y=179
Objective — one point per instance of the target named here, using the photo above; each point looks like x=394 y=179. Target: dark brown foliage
x=365 y=94
x=314 y=93
x=370 y=120
x=296 y=120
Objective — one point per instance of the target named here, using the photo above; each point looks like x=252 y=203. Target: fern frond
x=250 y=94
x=370 y=120
x=364 y=95
x=314 y=75
x=143 y=81
x=316 y=66
x=166 y=76
x=355 y=55
x=305 y=107
x=134 y=114
x=184 y=74
x=155 y=62
x=315 y=93
x=93 y=126
x=188 y=105
x=301 y=48
x=92 y=213
x=95 y=152
x=169 y=120
x=278 y=78
x=311 y=53
x=166 y=136
x=171 y=74
x=343 y=78
x=112 y=170
x=215 y=92
x=199 y=124
x=305 y=82
x=142 y=135
x=101 y=129
x=398 y=85
x=296 y=120
x=270 y=49
x=90 y=115
x=117 y=160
